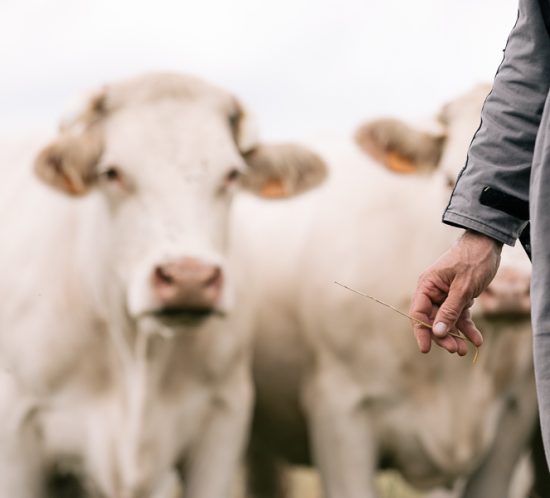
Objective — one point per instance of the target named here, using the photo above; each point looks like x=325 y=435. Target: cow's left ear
x=282 y=170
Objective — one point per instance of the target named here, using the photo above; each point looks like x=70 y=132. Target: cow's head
x=158 y=159
x=440 y=147
x=405 y=149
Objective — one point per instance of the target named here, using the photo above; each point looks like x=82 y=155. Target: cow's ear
x=282 y=170
x=274 y=170
x=400 y=147
x=69 y=162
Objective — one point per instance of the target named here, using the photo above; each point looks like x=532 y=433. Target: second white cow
x=339 y=378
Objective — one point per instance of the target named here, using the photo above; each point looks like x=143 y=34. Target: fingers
x=425 y=310
x=466 y=325
x=462 y=347
x=451 y=310
x=452 y=344
x=422 y=309
x=424 y=305
x=448 y=342
x=423 y=338
x=453 y=314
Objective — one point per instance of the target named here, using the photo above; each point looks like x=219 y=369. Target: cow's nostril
x=214 y=278
x=162 y=276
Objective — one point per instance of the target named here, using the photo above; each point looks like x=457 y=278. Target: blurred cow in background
x=121 y=355
x=339 y=379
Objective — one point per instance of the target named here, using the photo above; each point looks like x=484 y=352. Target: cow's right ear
x=69 y=163
x=400 y=147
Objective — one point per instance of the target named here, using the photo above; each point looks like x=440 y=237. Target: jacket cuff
x=506 y=230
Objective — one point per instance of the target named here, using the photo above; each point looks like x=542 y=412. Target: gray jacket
x=506 y=180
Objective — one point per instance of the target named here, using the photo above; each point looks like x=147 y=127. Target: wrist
x=478 y=238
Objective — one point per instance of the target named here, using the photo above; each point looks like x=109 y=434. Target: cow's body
x=339 y=378
x=121 y=361
x=121 y=405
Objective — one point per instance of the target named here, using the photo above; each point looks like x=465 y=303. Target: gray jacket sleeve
x=492 y=191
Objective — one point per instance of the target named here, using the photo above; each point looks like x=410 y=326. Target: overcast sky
x=302 y=66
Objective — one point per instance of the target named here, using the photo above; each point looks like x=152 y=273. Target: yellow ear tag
x=399 y=164
x=273 y=189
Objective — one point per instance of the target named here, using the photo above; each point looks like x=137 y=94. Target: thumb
x=450 y=310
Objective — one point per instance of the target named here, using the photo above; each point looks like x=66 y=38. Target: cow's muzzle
x=186 y=286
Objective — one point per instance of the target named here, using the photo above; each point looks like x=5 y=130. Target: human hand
x=446 y=292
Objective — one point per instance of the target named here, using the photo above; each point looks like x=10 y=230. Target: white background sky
x=302 y=66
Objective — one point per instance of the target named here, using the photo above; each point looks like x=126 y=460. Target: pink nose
x=187 y=285
x=508 y=294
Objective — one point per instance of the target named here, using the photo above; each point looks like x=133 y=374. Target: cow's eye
x=232 y=176
x=112 y=174
x=229 y=181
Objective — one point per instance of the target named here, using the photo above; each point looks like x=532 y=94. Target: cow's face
x=161 y=157
x=439 y=148
x=166 y=177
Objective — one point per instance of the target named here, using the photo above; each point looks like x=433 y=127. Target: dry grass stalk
x=457 y=334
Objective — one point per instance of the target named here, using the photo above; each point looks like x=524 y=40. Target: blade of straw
x=420 y=322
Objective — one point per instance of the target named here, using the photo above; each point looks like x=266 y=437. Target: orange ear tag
x=273 y=189
x=399 y=164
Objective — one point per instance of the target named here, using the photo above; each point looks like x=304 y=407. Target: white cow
x=120 y=355
x=339 y=378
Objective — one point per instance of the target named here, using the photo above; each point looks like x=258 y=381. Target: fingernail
x=440 y=329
